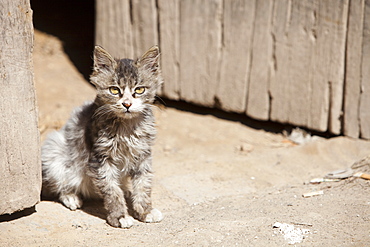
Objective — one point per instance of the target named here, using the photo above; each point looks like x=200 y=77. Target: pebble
x=245 y=148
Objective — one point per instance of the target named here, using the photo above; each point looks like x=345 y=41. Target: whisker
x=160 y=99
x=102 y=111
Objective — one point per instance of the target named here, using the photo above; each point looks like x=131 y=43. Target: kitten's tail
x=53 y=153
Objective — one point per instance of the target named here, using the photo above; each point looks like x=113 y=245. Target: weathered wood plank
x=352 y=90
x=113 y=27
x=169 y=24
x=144 y=25
x=365 y=72
x=238 y=20
x=258 y=100
x=200 y=45
x=306 y=89
x=20 y=165
x=332 y=53
x=289 y=84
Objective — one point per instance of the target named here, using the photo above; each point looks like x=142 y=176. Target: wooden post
x=20 y=167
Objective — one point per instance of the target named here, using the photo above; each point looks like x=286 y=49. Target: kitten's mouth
x=126 y=110
x=128 y=114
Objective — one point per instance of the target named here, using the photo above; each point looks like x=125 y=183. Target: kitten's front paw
x=154 y=216
x=71 y=201
x=126 y=222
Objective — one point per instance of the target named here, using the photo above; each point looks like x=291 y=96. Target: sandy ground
x=219 y=182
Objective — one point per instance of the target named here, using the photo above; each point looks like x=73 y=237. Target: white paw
x=71 y=201
x=154 y=216
x=126 y=222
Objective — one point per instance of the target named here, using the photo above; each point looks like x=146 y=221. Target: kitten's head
x=126 y=87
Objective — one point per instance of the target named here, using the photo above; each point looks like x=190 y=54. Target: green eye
x=114 y=90
x=140 y=90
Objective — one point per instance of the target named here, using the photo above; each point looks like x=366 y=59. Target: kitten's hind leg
x=71 y=201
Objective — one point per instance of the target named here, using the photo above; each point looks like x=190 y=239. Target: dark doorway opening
x=73 y=22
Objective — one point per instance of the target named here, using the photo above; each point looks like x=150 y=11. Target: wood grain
x=303 y=63
x=20 y=166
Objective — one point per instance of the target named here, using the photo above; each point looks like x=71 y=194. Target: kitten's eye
x=140 y=90
x=114 y=90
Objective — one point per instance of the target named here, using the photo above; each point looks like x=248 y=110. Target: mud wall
x=305 y=63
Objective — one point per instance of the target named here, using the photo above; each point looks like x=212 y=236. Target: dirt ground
x=218 y=181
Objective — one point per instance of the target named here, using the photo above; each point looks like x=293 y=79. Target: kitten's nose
x=127 y=104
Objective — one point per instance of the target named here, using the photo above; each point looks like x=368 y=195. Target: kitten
x=104 y=150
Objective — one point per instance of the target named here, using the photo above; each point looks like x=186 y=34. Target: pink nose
x=127 y=105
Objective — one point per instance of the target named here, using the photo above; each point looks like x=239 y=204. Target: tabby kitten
x=104 y=150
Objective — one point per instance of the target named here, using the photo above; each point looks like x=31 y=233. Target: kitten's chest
x=130 y=144
x=125 y=147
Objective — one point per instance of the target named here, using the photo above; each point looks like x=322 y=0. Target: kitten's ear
x=103 y=61
x=150 y=60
